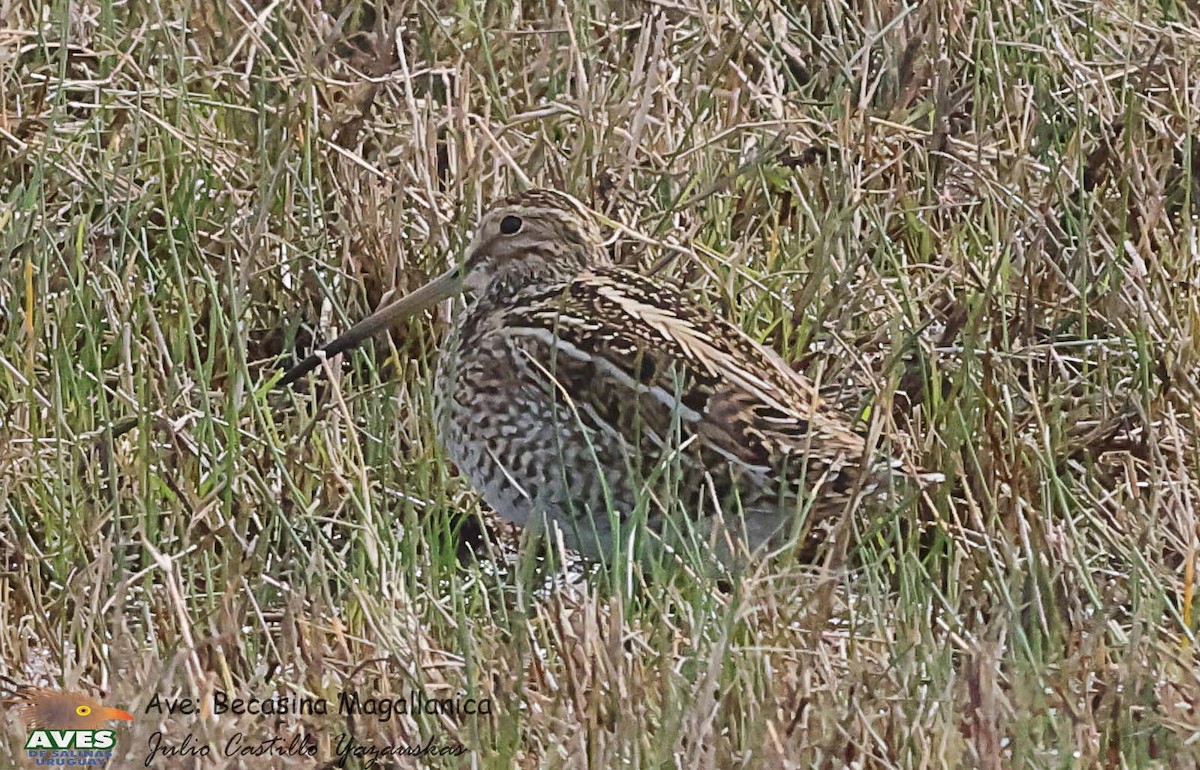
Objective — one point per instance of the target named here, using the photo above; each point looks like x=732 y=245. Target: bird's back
x=577 y=400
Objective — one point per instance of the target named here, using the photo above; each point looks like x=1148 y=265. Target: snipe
x=586 y=396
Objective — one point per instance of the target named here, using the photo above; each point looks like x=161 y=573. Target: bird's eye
x=83 y=711
x=510 y=225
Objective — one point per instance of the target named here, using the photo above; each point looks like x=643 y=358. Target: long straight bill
x=443 y=287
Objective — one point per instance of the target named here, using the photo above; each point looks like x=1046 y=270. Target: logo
x=65 y=728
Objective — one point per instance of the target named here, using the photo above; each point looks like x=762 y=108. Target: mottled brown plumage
x=588 y=396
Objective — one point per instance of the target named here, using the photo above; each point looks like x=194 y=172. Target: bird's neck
x=514 y=278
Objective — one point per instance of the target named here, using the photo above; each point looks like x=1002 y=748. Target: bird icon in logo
x=42 y=708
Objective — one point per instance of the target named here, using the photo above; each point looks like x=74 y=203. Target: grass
x=975 y=225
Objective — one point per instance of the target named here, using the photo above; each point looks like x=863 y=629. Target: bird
x=584 y=397
x=43 y=708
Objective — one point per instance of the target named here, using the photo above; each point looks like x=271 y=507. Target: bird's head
x=41 y=708
x=536 y=237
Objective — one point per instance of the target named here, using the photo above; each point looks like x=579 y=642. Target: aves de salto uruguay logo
x=65 y=728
